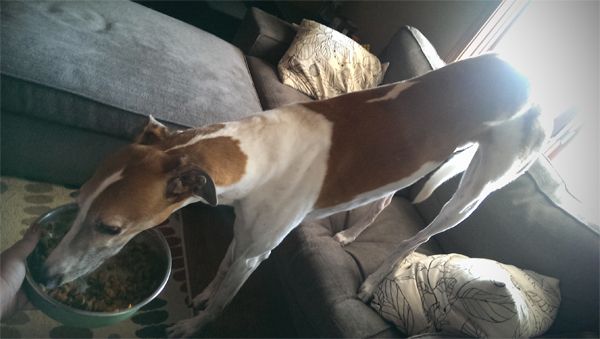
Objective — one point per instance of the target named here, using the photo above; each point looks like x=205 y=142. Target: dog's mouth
x=67 y=265
x=49 y=281
x=51 y=277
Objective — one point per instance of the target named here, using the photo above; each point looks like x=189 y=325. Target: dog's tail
x=456 y=164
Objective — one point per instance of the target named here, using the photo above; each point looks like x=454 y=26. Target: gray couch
x=530 y=223
x=79 y=78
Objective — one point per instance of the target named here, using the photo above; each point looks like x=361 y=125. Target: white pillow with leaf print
x=454 y=294
x=323 y=63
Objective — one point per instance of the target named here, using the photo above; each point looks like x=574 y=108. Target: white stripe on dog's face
x=86 y=202
x=64 y=259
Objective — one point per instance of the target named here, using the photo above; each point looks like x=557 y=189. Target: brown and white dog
x=308 y=161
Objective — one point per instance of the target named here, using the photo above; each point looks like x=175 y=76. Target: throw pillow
x=324 y=63
x=454 y=294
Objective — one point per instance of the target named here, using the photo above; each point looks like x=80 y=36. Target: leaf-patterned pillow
x=323 y=63
x=454 y=294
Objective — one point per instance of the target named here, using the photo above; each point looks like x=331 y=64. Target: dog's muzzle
x=48 y=280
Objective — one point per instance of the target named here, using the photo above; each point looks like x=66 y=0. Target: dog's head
x=134 y=189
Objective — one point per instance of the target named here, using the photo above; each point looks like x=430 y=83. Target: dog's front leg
x=238 y=273
x=259 y=230
x=200 y=301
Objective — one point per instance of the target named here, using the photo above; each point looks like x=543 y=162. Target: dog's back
x=393 y=135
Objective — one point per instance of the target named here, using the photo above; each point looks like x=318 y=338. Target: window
x=556 y=44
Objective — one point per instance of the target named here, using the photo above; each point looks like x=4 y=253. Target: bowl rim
x=35 y=286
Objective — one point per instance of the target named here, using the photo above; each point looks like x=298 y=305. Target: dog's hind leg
x=458 y=163
x=504 y=153
x=365 y=215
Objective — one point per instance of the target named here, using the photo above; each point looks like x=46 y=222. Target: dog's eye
x=108 y=229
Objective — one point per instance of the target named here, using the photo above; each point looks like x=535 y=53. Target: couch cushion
x=397 y=222
x=51 y=152
x=530 y=224
x=410 y=54
x=271 y=91
x=66 y=56
x=321 y=277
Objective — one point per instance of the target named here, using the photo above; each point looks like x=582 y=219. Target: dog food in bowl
x=121 y=282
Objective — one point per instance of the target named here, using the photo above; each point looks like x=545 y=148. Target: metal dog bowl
x=82 y=318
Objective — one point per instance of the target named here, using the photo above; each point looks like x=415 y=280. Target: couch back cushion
x=532 y=223
x=410 y=54
x=104 y=66
x=271 y=91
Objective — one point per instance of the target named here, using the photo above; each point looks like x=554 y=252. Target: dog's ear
x=153 y=133
x=190 y=180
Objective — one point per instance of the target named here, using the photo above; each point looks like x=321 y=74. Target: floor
x=258 y=310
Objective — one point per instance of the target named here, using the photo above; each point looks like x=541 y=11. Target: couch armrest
x=264 y=35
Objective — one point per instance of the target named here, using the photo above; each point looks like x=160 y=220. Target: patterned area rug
x=22 y=202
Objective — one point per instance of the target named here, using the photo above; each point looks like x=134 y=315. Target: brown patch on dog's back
x=221 y=157
x=381 y=136
x=371 y=146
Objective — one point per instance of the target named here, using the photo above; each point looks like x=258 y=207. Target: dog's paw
x=200 y=301
x=187 y=328
x=365 y=292
x=343 y=238
x=182 y=329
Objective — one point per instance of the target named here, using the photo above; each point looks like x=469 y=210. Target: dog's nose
x=49 y=280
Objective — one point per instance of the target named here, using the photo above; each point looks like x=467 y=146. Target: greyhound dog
x=309 y=161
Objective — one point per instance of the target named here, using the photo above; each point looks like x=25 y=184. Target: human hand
x=12 y=272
